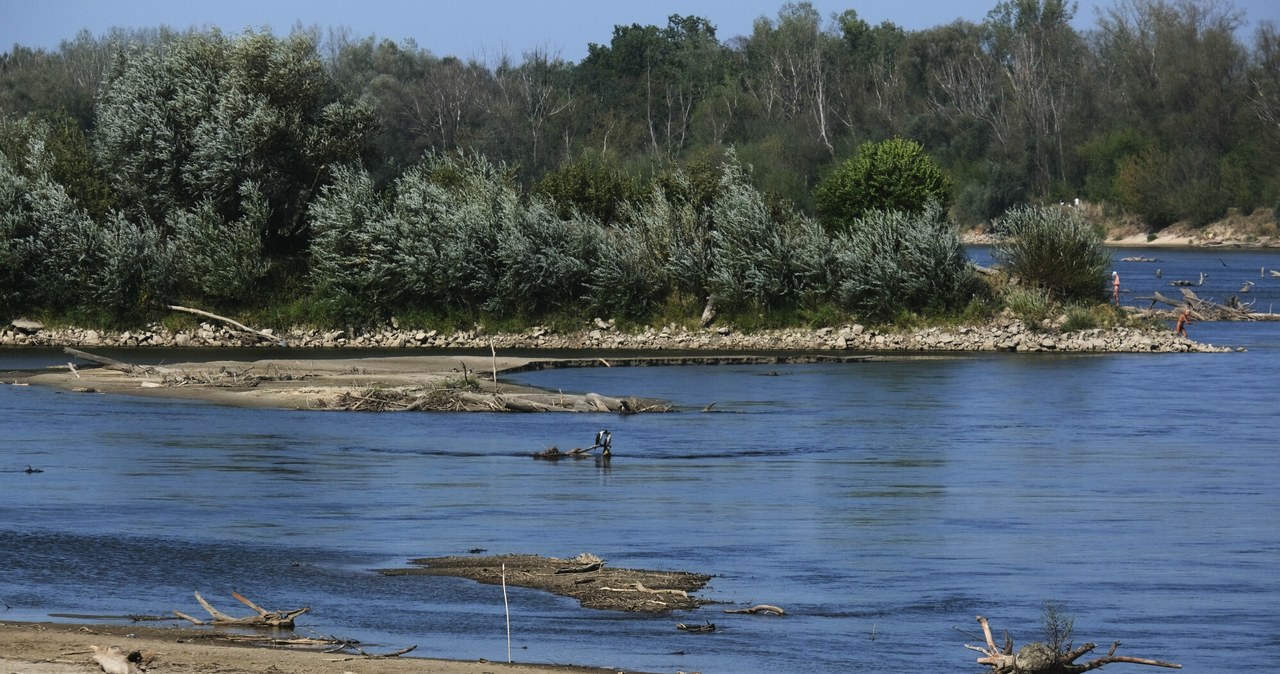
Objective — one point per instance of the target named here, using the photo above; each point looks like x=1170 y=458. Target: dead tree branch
x=1039 y=658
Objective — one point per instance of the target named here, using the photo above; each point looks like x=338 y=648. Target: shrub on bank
x=890 y=261
x=1054 y=249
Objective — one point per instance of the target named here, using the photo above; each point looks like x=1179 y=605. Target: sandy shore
x=376 y=384
x=57 y=648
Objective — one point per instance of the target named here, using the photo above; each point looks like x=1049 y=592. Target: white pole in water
x=507 y=607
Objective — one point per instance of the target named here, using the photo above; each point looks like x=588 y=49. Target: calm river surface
x=883 y=504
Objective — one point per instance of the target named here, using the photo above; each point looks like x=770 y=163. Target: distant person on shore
x=1183 y=319
x=1115 y=287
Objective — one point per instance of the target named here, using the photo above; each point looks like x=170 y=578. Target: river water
x=883 y=504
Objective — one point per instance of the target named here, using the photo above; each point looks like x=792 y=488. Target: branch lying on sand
x=264 y=618
x=109 y=363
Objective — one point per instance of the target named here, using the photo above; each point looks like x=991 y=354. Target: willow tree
x=189 y=121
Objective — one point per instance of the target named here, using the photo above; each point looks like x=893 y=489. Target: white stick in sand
x=507 y=607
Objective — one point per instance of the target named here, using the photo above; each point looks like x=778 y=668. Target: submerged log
x=758 y=608
x=1039 y=658
x=263 y=617
x=697 y=629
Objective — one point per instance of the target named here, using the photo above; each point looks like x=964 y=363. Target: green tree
x=195 y=118
x=892 y=175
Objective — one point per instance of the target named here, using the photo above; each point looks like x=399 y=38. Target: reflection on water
x=882 y=504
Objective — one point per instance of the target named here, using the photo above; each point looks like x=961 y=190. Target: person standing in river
x=1183 y=319
x=1115 y=287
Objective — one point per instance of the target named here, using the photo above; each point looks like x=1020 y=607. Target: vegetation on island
x=816 y=170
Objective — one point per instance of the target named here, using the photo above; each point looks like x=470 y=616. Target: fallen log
x=109 y=363
x=639 y=587
x=266 y=336
x=586 y=568
x=263 y=617
x=1040 y=658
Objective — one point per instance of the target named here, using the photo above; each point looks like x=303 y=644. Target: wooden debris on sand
x=114 y=660
x=262 y=617
x=586 y=578
x=108 y=363
x=1040 y=658
x=474 y=399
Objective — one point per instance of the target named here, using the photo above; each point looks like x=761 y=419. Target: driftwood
x=266 y=336
x=639 y=587
x=263 y=617
x=696 y=629
x=758 y=608
x=109 y=363
x=586 y=568
x=1039 y=658
x=1183 y=282
x=114 y=660
x=1204 y=310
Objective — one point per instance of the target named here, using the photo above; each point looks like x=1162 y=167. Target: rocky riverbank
x=1002 y=334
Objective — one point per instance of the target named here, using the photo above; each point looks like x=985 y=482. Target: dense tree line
x=669 y=165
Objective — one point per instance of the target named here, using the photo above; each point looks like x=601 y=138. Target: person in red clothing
x=1183 y=319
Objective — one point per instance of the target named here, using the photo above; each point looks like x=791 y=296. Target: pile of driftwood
x=465 y=399
x=230 y=377
x=1040 y=658
x=1205 y=310
x=261 y=617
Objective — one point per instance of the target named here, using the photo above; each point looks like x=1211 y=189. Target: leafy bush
x=628 y=279
x=1030 y=303
x=889 y=261
x=454 y=236
x=757 y=261
x=545 y=262
x=353 y=245
x=221 y=260
x=56 y=257
x=1054 y=249
x=674 y=229
x=892 y=175
x=127 y=268
x=593 y=184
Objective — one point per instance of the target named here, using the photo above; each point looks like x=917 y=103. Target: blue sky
x=483 y=29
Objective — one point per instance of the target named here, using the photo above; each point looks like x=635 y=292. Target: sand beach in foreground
x=58 y=648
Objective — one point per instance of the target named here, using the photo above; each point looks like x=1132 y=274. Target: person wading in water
x=1183 y=319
